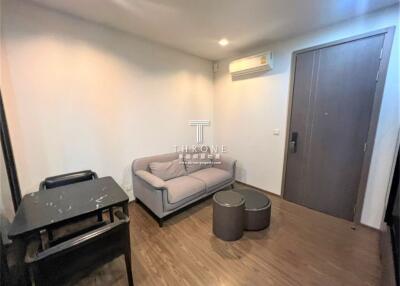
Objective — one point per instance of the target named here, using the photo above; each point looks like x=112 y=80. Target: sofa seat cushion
x=212 y=176
x=183 y=187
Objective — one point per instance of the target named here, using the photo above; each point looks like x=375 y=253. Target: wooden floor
x=301 y=247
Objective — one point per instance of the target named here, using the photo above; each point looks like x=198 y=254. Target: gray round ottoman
x=257 y=209
x=228 y=215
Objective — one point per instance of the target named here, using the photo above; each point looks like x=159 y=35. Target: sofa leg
x=160 y=222
x=232 y=186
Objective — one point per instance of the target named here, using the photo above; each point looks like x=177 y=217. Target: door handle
x=293 y=142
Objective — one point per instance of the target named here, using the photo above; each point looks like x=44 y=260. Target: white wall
x=79 y=95
x=246 y=112
x=83 y=96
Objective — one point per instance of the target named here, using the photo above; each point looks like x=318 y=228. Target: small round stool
x=257 y=214
x=228 y=215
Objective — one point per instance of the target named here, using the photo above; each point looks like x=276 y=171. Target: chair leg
x=111 y=215
x=125 y=208
x=99 y=216
x=128 y=261
x=50 y=235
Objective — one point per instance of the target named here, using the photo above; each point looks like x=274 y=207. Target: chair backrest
x=66 y=179
x=76 y=257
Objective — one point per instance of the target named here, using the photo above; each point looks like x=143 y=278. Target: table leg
x=19 y=272
x=125 y=209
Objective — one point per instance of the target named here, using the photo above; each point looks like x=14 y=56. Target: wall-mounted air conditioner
x=257 y=63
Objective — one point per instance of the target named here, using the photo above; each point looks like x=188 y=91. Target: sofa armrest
x=152 y=180
x=226 y=163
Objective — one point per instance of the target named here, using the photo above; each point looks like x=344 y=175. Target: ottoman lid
x=254 y=199
x=229 y=199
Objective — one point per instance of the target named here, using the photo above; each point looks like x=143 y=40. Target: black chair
x=64 y=232
x=73 y=259
x=67 y=179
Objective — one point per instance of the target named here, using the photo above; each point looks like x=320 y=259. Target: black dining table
x=58 y=206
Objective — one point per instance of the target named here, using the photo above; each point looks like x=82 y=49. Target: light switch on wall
x=276 y=132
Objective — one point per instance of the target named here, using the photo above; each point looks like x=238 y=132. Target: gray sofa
x=164 y=197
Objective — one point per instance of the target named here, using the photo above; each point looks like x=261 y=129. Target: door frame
x=387 y=46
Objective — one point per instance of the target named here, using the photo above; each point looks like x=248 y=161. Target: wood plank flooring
x=301 y=247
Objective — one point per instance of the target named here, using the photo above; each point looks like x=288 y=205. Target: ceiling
x=196 y=26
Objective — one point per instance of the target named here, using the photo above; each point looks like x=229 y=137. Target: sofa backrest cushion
x=196 y=161
x=168 y=170
x=144 y=163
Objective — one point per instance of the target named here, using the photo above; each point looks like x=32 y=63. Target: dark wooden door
x=333 y=94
